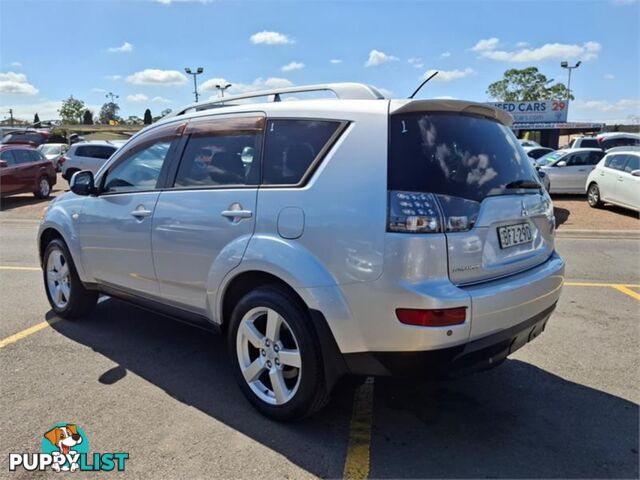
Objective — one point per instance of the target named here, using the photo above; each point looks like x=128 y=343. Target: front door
x=115 y=226
x=202 y=225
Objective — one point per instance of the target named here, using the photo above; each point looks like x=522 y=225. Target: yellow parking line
x=628 y=291
x=356 y=465
x=11 y=267
x=25 y=333
x=589 y=284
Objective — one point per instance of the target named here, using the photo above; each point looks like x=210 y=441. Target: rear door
x=614 y=167
x=8 y=180
x=496 y=216
x=26 y=169
x=628 y=189
x=203 y=222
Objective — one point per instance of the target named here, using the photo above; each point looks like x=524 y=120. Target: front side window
x=22 y=156
x=140 y=169
x=578 y=159
x=292 y=146
x=222 y=152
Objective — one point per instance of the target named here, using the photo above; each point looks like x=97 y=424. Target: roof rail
x=343 y=91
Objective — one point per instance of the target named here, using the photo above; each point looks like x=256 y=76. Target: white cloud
x=126 y=47
x=270 y=38
x=376 y=57
x=445 y=54
x=16 y=83
x=114 y=77
x=609 y=76
x=488 y=48
x=416 y=62
x=153 y=76
x=449 y=75
x=98 y=90
x=238 y=88
x=16 y=64
x=335 y=61
x=137 y=98
x=522 y=44
x=607 y=111
x=606 y=106
x=289 y=67
x=161 y=100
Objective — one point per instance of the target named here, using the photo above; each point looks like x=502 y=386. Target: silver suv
x=323 y=237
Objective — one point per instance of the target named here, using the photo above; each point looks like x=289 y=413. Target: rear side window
x=95 y=151
x=457 y=155
x=221 y=152
x=22 y=156
x=8 y=157
x=293 y=147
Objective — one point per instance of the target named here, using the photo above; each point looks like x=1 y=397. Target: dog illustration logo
x=65 y=439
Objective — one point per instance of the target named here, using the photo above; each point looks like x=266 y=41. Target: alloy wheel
x=268 y=355
x=593 y=195
x=44 y=188
x=58 y=278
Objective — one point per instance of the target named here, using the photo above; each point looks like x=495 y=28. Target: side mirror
x=561 y=163
x=82 y=183
x=3 y=163
x=635 y=173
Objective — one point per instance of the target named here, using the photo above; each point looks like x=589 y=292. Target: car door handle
x=237 y=213
x=141 y=213
x=582 y=169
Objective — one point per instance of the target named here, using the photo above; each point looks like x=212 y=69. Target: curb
x=604 y=234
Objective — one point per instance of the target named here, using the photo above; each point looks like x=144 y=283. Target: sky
x=138 y=49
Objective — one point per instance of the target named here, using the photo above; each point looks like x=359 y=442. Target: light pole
x=222 y=88
x=566 y=65
x=111 y=96
x=195 y=83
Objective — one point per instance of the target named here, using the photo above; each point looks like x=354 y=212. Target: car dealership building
x=545 y=121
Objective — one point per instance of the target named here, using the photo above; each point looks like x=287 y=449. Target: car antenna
x=423 y=83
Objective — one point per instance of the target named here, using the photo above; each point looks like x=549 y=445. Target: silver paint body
x=327 y=240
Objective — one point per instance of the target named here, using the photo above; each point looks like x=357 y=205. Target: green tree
x=87 y=119
x=36 y=120
x=109 y=111
x=527 y=84
x=133 y=120
x=71 y=111
x=148 y=119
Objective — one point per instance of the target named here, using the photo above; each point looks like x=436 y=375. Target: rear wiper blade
x=523 y=184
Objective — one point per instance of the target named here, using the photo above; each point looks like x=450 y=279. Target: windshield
x=549 y=158
x=457 y=155
x=51 y=149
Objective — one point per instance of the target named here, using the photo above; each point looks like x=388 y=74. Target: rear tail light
x=62 y=159
x=416 y=212
x=443 y=317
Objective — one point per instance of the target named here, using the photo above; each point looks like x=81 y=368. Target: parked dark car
x=35 y=138
x=24 y=169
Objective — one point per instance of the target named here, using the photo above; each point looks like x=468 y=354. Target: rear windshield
x=589 y=143
x=453 y=154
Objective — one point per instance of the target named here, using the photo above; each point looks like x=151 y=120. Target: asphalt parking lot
x=564 y=406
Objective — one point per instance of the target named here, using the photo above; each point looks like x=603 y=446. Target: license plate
x=513 y=235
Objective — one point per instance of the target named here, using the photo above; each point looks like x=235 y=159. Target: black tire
x=41 y=191
x=81 y=301
x=69 y=173
x=311 y=394
x=593 y=196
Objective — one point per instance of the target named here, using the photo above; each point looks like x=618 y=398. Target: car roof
x=607 y=135
x=16 y=146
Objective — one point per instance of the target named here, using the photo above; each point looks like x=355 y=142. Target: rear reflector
x=432 y=318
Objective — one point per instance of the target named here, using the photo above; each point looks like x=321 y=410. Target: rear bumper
x=481 y=354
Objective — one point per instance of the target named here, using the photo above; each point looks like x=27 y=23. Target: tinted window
x=8 y=157
x=291 y=147
x=538 y=152
x=456 y=155
x=589 y=143
x=95 y=151
x=633 y=163
x=606 y=144
x=616 y=162
x=24 y=137
x=22 y=156
x=594 y=158
x=222 y=152
x=139 y=170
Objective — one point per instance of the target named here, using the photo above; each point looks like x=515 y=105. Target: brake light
x=62 y=159
x=442 y=317
x=413 y=212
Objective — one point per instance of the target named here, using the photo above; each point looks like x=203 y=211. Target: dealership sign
x=547 y=111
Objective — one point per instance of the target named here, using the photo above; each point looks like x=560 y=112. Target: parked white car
x=567 y=170
x=86 y=156
x=616 y=179
x=584 y=142
x=55 y=153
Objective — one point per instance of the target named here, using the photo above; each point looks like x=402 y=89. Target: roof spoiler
x=459 y=106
